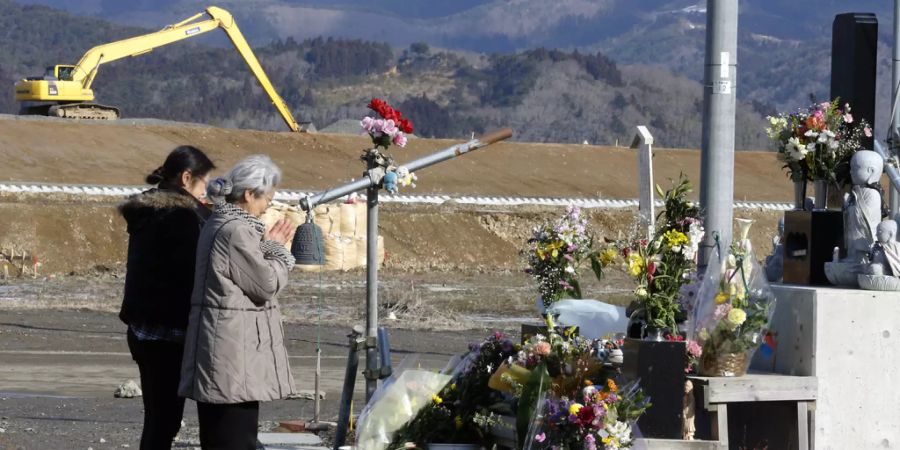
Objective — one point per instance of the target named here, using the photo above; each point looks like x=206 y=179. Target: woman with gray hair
x=234 y=355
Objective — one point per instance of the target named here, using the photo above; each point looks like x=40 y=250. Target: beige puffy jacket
x=234 y=348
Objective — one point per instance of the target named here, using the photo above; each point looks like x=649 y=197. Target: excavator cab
x=60 y=72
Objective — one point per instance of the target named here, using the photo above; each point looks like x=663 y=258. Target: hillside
x=783 y=45
x=549 y=95
x=124 y=153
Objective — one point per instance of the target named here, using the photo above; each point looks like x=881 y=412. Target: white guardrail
x=293 y=196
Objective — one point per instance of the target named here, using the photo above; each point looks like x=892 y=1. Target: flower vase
x=821 y=189
x=655 y=334
x=799 y=195
x=723 y=364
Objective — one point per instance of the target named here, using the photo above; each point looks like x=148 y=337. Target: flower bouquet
x=663 y=265
x=555 y=252
x=599 y=418
x=391 y=128
x=549 y=371
x=816 y=144
x=735 y=306
x=466 y=409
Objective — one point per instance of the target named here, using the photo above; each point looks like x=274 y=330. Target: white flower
x=795 y=150
x=811 y=134
x=825 y=137
x=570 y=269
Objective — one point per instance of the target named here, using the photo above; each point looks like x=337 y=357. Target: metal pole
x=340 y=434
x=894 y=132
x=372 y=370
x=717 y=151
x=307 y=204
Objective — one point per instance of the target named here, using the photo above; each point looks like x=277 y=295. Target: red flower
x=378 y=105
x=586 y=415
x=388 y=113
x=405 y=125
x=651 y=268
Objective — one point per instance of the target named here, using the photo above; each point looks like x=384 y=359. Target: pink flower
x=824 y=105
x=400 y=139
x=722 y=311
x=867 y=131
x=542 y=348
x=848 y=118
x=541 y=437
x=389 y=128
x=694 y=349
x=367 y=124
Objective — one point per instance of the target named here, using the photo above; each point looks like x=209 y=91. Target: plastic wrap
x=398 y=403
x=593 y=318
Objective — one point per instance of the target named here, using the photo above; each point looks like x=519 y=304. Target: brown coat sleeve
x=260 y=278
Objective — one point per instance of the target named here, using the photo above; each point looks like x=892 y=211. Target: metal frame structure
x=378 y=164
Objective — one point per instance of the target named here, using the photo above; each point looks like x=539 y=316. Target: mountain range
x=783 y=55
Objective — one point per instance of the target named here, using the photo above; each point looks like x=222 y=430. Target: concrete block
x=849 y=339
x=303 y=439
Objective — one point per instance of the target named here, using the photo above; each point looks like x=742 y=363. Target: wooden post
x=643 y=142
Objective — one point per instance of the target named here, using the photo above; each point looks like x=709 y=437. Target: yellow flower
x=675 y=238
x=608 y=256
x=458 y=422
x=736 y=317
x=436 y=399
x=722 y=297
x=573 y=410
x=635 y=264
x=640 y=292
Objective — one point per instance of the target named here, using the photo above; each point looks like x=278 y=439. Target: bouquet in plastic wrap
x=735 y=305
x=395 y=404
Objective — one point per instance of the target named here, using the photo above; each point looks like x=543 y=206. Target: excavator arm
x=86 y=70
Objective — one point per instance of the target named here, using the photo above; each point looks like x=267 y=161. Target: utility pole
x=894 y=132
x=717 y=148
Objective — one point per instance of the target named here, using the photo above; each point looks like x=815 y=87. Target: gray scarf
x=271 y=249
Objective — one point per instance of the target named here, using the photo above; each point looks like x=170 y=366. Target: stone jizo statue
x=885 y=255
x=862 y=206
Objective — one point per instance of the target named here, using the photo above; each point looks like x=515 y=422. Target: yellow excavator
x=65 y=90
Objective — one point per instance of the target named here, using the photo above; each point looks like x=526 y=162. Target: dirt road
x=59 y=368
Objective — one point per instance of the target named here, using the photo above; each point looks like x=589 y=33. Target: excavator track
x=94 y=111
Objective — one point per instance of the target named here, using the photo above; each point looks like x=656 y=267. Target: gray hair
x=257 y=174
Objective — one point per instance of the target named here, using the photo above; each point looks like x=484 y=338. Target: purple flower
x=590 y=442
x=474 y=347
x=506 y=345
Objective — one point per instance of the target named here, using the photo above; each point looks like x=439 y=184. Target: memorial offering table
x=717 y=392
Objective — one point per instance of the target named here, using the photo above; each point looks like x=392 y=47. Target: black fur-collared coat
x=163 y=228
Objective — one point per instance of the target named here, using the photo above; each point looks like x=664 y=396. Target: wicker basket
x=723 y=365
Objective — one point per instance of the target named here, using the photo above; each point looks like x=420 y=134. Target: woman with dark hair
x=164 y=224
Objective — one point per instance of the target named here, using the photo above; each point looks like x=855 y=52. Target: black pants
x=160 y=365
x=229 y=426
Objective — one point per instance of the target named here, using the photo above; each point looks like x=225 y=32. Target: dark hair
x=184 y=157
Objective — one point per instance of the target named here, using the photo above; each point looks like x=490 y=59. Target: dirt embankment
x=123 y=153
x=83 y=234
x=79 y=234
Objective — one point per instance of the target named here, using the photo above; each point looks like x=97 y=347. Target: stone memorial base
x=848 y=339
